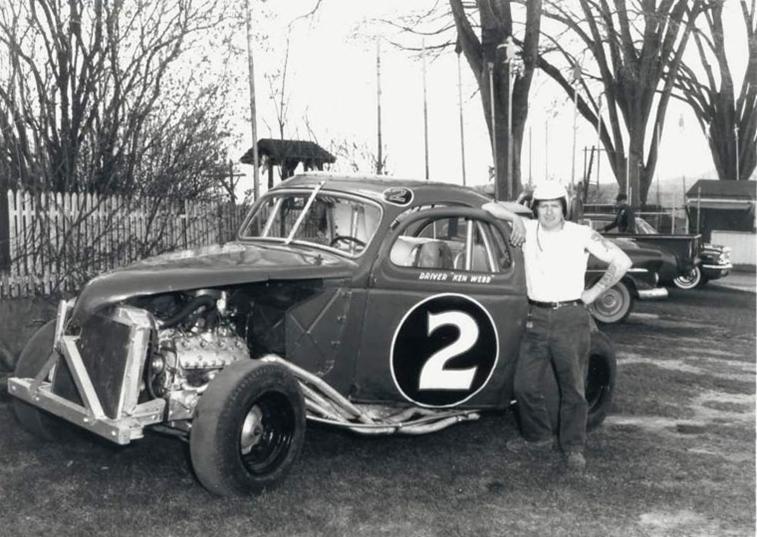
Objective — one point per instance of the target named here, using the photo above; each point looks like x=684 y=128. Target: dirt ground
x=676 y=457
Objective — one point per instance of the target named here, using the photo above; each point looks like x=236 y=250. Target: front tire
x=691 y=280
x=249 y=428
x=614 y=305
x=34 y=356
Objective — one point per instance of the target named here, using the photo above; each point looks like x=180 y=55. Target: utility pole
x=460 y=107
x=379 y=149
x=497 y=193
x=253 y=111
x=738 y=172
x=425 y=113
x=599 y=141
x=576 y=78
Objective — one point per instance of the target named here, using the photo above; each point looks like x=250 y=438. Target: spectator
x=624 y=217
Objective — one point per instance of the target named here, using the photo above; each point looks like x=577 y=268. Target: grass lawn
x=675 y=458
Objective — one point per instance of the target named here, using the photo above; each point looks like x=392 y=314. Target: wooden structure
x=288 y=154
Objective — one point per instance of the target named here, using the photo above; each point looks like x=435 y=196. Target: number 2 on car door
x=433 y=375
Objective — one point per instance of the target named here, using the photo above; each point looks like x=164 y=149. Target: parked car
x=688 y=262
x=365 y=303
x=640 y=282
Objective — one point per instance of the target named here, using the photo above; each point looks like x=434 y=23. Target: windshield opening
x=343 y=223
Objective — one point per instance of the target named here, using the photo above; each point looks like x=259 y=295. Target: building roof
x=292 y=150
x=724 y=190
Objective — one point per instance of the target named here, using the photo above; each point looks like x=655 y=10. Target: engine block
x=208 y=350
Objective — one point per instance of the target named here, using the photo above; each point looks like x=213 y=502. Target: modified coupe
x=379 y=306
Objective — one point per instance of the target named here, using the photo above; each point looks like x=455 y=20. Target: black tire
x=689 y=281
x=703 y=282
x=614 y=305
x=600 y=379
x=248 y=429
x=34 y=356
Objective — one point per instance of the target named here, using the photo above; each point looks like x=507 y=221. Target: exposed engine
x=195 y=339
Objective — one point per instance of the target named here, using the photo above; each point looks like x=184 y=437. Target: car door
x=444 y=315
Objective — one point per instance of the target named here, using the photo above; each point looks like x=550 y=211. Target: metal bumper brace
x=38 y=392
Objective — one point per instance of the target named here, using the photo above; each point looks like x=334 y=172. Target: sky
x=331 y=83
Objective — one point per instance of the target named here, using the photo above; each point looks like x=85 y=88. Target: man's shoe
x=576 y=462
x=521 y=445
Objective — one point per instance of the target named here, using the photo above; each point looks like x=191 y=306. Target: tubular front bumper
x=128 y=424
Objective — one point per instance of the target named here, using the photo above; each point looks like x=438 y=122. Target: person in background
x=624 y=217
x=576 y=202
x=555 y=254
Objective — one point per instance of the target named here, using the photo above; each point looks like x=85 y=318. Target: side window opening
x=451 y=243
x=500 y=249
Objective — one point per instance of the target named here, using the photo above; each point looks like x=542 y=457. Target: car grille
x=104 y=347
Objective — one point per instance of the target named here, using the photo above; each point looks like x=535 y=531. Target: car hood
x=211 y=266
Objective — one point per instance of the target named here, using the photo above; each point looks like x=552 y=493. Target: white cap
x=549 y=191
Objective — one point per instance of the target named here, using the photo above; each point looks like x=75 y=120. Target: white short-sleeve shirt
x=556 y=261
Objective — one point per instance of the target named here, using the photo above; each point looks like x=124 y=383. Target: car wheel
x=32 y=359
x=600 y=379
x=689 y=281
x=248 y=429
x=614 y=305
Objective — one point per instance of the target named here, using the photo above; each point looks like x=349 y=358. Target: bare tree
x=84 y=80
x=479 y=30
x=729 y=122
x=109 y=98
x=636 y=52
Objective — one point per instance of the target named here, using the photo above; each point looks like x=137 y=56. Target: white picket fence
x=57 y=241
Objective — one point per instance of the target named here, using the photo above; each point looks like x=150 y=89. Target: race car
x=377 y=305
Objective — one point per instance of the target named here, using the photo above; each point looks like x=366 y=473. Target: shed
x=724 y=213
x=289 y=154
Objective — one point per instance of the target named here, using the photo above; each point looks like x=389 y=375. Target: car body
x=381 y=306
x=716 y=262
x=687 y=263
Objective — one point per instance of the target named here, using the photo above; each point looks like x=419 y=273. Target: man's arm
x=615 y=223
x=518 y=235
x=618 y=262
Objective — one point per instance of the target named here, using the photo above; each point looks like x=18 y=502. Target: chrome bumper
x=728 y=266
x=651 y=294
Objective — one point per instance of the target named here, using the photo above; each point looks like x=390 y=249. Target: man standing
x=555 y=254
x=624 y=217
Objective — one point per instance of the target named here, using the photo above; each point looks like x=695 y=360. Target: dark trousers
x=560 y=338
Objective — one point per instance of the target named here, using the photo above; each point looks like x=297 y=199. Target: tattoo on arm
x=611 y=276
x=604 y=243
x=618 y=262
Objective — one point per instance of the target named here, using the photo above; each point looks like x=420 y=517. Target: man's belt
x=555 y=305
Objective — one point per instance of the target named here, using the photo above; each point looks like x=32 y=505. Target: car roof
x=374 y=186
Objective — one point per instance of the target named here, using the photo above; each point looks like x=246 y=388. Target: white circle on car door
x=444 y=350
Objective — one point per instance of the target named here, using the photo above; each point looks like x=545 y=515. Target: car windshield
x=340 y=222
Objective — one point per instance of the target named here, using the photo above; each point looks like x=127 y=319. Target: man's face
x=549 y=213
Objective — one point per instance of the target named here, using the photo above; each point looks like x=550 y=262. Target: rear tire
x=34 y=356
x=614 y=305
x=248 y=430
x=689 y=281
x=600 y=379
